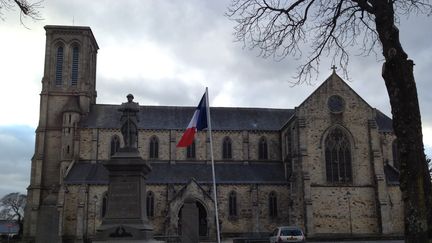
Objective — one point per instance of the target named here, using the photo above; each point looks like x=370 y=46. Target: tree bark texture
x=401 y=87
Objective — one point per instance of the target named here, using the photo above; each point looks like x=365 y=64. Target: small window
x=75 y=60
x=395 y=153
x=226 y=148
x=190 y=151
x=272 y=204
x=262 y=149
x=154 y=148
x=115 y=144
x=150 y=204
x=232 y=204
x=59 y=66
x=104 y=205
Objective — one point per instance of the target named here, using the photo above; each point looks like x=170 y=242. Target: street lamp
x=348 y=194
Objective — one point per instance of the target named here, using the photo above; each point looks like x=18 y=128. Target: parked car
x=287 y=234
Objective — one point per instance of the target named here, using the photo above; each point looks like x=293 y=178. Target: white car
x=287 y=234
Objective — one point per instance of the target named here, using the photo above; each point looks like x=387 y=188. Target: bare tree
x=284 y=27
x=12 y=208
x=26 y=8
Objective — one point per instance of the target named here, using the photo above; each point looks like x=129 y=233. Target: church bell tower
x=68 y=91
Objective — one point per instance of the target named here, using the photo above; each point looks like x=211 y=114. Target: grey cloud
x=16 y=147
x=199 y=36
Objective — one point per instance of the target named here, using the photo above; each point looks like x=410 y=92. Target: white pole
x=212 y=164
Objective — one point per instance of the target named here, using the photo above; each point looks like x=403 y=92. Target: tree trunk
x=415 y=182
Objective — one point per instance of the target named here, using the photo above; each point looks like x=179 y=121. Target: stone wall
x=337 y=211
x=98 y=141
x=325 y=203
x=397 y=210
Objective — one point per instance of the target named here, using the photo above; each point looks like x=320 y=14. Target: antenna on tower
x=73 y=20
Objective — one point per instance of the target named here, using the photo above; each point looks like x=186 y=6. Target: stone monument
x=126 y=218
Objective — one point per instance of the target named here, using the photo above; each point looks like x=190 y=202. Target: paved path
x=367 y=241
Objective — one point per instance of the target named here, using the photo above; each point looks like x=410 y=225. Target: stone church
x=327 y=165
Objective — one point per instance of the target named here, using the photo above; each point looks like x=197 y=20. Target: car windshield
x=290 y=232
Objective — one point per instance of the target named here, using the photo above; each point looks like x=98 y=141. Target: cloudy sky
x=166 y=52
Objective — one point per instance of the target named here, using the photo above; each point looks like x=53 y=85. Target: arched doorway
x=202 y=220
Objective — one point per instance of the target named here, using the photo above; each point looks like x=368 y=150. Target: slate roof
x=8 y=227
x=181 y=173
x=177 y=117
x=222 y=118
x=385 y=123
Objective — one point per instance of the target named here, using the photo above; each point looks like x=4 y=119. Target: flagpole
x=212 y=164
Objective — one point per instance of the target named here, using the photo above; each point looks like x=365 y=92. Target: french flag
x=198 y=123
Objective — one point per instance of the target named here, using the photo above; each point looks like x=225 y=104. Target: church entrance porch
x=201 y=225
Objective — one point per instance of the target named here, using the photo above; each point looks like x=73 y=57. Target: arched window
x=226 y=148
x=150 y=204
x=115 y=144
x=395 y=153
x=190 y=151
x=154 y=148
x=272 y=204
x=59 y=66
x=75 y=62
x=104 y=204
x=232 y=204
x=262 y=148
x=338 y=157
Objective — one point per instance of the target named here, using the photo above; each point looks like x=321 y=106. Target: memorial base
x=126 y=219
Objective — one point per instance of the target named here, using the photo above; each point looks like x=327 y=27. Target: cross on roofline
x=334 y=68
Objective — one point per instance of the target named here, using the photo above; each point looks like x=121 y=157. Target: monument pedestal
x=126 y=218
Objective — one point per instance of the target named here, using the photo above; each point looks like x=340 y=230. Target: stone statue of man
x=129 y=121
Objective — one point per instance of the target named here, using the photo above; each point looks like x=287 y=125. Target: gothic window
x=75 y=59
x=395 y=153
x=150 y=204
x=262 y=149
x=59 y=66
x=104 y=204
x=232 y=204
x=226 y=148
x=154 y=148
x=338 y=157
x=190 y=151
x=115 y=144
x=272 y=204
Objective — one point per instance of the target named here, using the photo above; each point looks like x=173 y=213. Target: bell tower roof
x=67 y=29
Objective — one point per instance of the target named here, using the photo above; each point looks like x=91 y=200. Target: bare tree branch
x=27 y=9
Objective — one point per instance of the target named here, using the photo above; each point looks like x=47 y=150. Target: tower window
x=115 y=144
x=338 y=157
x=150 y=204
x=59 y=66
x=226 y=148
x=232 y=204
x=104 y=204
x=262 y=149
x=75 y=57
x=272 y=204
x=154 y=148
x=190 y=151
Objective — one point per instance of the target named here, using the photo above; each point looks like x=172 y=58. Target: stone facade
x=282 y=170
